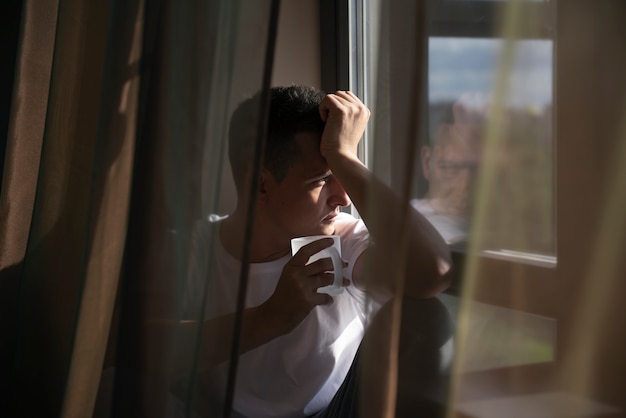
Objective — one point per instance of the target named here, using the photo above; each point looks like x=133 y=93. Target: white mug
x=334 y=252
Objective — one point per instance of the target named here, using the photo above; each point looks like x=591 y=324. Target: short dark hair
x=293 y=109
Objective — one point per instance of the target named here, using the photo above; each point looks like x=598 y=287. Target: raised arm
x=426 y=260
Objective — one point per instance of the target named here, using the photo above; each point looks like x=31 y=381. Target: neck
x=266 y=244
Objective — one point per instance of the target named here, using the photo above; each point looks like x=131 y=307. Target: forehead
x=452 y=141
x=311 y=161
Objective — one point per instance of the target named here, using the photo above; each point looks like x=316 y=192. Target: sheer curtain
x=65 y=197
x=115 y=148
x=538 y=278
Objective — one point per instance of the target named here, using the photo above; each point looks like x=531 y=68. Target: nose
x=470 y=177
x=465 y=185
x=464 y=178
x=337 y=194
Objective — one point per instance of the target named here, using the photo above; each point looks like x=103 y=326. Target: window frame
x=470 y=22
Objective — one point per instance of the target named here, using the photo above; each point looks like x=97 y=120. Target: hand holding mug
x=333 y=252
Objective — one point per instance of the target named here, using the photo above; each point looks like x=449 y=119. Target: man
x=297 y=345
x=450 y=164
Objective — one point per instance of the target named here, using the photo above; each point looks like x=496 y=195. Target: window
x=477 y=103
x=484 y=172
x=480 y=88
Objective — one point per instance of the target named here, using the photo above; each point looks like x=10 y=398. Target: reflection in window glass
x=519 y=206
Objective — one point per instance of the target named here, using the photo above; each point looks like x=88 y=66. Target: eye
x=451 y=165
x=321 y=182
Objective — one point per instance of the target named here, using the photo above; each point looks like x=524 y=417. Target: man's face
x=450 y=167
x=309 y=198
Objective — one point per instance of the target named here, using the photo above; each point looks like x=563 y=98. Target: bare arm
x=426 y=260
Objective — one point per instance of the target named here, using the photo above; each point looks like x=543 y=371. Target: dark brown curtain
x=65 y=198
x=118 y=118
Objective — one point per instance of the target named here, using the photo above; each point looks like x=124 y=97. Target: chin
x=328 y=229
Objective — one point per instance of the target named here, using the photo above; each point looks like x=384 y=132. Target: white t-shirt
x=452 y=228
x=297 y=374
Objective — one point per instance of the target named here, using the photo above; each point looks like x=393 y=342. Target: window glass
x=485 y=176
x=478 y=102
x=489 y=111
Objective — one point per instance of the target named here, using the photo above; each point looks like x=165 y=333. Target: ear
x=425 y=158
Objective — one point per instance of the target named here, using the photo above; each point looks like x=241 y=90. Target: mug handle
x=337 y=286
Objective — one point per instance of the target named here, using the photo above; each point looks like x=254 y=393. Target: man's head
x=451 y=160
x=293 y=110
x=297 y=195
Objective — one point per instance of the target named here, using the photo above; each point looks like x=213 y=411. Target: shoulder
x=352 y=231
x=423 y=206
x=355 y=240
x=355 y=237
x=346 y=224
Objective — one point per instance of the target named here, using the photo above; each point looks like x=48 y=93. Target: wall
x=296 y=61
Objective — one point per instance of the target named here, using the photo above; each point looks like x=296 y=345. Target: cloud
x=462 y=65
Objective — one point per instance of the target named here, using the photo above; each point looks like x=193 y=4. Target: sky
x=458 y=66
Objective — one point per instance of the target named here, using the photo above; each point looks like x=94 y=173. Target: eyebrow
x=320 y=175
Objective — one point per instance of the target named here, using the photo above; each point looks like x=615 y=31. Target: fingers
x=327 y=279
x=319 y=266
x=340 y=99
x=324 y=279
x=321 y=273
x=347 y=99
x=348 y=114
x=301 y=281
x=345 y=96
x=323 y=299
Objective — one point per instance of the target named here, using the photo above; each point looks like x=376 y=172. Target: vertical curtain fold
x=262 y=128
x=73 y=105
x=51 y=277
x=200 y=60
x=21 y=167
x=400 y=94
x=110 y=199
x=27 y=120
